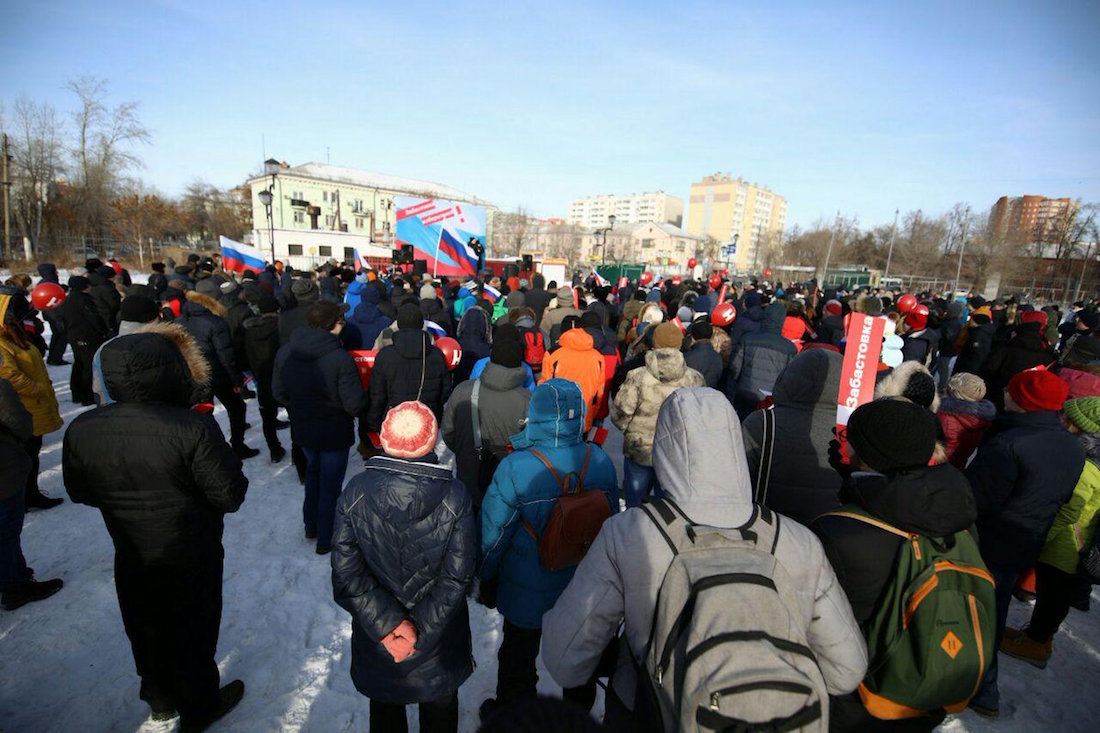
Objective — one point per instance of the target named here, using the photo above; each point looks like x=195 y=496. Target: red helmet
x=452 y=352
x=647 y=278
x=723 y=314
x=917 y=318
x=907 y=302
x=677 y=280
x=692 y=262
x=715 y=282
x=47 y=296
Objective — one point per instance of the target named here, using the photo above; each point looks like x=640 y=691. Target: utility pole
x=890 y=251
x=829 y=251
x=962 y=248
x=6 y=181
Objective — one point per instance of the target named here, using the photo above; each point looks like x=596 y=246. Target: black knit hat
x=701 y=330
x=892 y=435
x=506 y=352
x=266 y=303
x=138 y=309
x=409 y=318
x=921 y=389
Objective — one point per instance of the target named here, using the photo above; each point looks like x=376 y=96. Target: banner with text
x=857 y=378
x=440 y=232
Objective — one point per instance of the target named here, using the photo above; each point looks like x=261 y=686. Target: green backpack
x=930 y=641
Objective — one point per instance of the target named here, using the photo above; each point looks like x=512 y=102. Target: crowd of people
x=752 y=565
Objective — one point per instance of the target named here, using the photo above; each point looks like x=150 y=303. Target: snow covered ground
x=65 y=663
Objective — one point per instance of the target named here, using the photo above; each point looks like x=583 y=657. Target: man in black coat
x=891 y=441
x=105 y=295
x=409 y=369
x=260 y=334
x=318 y=382
x=1021 y=477
x=979 y=342
x=163 y=478
x=204 y=317
x=86 y=330
x=58 y=340
x=538 y=297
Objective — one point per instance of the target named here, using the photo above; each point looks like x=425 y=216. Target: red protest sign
x=857 y=378
x=364 y=362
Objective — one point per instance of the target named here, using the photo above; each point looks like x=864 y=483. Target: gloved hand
x=836 y=460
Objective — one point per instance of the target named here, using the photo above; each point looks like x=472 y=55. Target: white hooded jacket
x=700 y=462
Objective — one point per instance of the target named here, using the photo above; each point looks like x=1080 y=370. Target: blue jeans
x=638 y=480
x=989 y=696
x=324 y=480
x=13 y=567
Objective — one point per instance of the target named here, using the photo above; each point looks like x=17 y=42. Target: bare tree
x=510 y=231
x=36 y=163
x=918 y=246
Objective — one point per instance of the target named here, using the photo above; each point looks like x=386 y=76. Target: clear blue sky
x=861 y=107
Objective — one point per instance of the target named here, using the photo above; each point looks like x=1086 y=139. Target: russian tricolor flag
x=361 y=261
x=491 y=294
x=434 y=329
x=600 y=279
x=238 y=257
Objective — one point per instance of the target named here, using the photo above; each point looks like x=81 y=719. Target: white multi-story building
x=637 y=208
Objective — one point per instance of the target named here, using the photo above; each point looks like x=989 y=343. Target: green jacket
x=1075 y=524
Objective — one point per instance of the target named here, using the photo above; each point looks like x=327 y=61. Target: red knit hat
x=1034 y=317
x=1037 y=389
x=409 y=431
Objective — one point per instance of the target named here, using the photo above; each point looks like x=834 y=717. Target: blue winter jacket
x=365 y=323
x=480 y=364
x=354 y=293
x=522 y=489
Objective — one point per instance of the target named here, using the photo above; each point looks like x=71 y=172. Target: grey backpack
x=728 y=649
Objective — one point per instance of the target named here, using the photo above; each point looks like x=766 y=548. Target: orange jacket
x=577 y=360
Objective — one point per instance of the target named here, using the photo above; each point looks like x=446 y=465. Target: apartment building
x=592 y=212
x=730 y=209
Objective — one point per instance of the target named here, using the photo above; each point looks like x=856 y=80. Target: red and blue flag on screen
x=441 y=233
x=239 y=257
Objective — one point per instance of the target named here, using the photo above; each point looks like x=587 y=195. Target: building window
x=349 y=254
x=324 y=250
x=647 y=244
x=299 y=217
x=358 y=222
x=294 y=249
x=324 y=195
x=329 y=220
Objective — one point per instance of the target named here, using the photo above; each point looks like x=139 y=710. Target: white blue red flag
x=491 y=294
x=361 y=261
x=435 y=329
x=600 y=279
x=239 y=257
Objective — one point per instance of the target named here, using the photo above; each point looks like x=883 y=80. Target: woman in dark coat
x=476 y=339
x=404 y=555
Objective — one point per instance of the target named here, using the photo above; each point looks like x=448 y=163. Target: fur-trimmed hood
x=160 y=362
x=185 y=342
x=896 y=382
x=206 y=302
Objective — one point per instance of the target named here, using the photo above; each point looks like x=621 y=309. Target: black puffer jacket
x=802 y=484
x=502 y=411
x=934 y=501
x=106 y=298
x=404 y=547
x=762 y=356
x=318 y=382
x=474 y=335
x=261 y=344
x=16 y=428
x=979 y=342
x=702 y=357
x=161 y=474
x=83 y=324
x=203 y=317
x=920 y=346
x=1021 y=476
x=409 y=369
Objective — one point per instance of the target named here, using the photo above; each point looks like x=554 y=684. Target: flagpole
x=435 y=263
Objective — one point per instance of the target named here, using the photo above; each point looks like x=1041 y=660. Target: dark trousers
x=58 y=337
x=13 y=566
x=989 y=695
x=34 y=449
x=80 y=379
x=172 y=614
x=234 y=406
x=516 y=674
x=269 y=413
x=324 y=480
x=1054 y=592
x=436 y=716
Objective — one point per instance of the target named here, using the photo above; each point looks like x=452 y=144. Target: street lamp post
x=267 y=198
x=603 y=244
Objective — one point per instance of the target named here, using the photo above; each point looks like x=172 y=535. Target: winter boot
x=1018 y=644
x=244 y=452
x=278 y=453
x=21 y=594
x=228 y=697
x=38 y=500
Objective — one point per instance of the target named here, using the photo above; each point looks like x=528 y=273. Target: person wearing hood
x=634 y=410
x=1021 y=476
x=86 y=331
x=261 y=344
x=650 y=316
x=354 y=292
x=366 y=323
x=700 y=466
x=432 y=309
x=105 y=296
x=22 y=366
x=538 y=297
x=502 y=401
x=163 y=500
x=758 y=360
x=552 y=318
x=1070 y=536
x=404 y=557
x=1025 y=348
x=578 y=361
x=750 y=316
x=58 y=340
x=465 y=299
x=890 y=442
x=475 y=336
x=318 y=382
x=699 y=353
x=802 y=485
x=506 y=332
x=515 y=511
x=135 y=312
x=204 y=317
x=411 y=369
x=964 y=416
x=631 y=310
